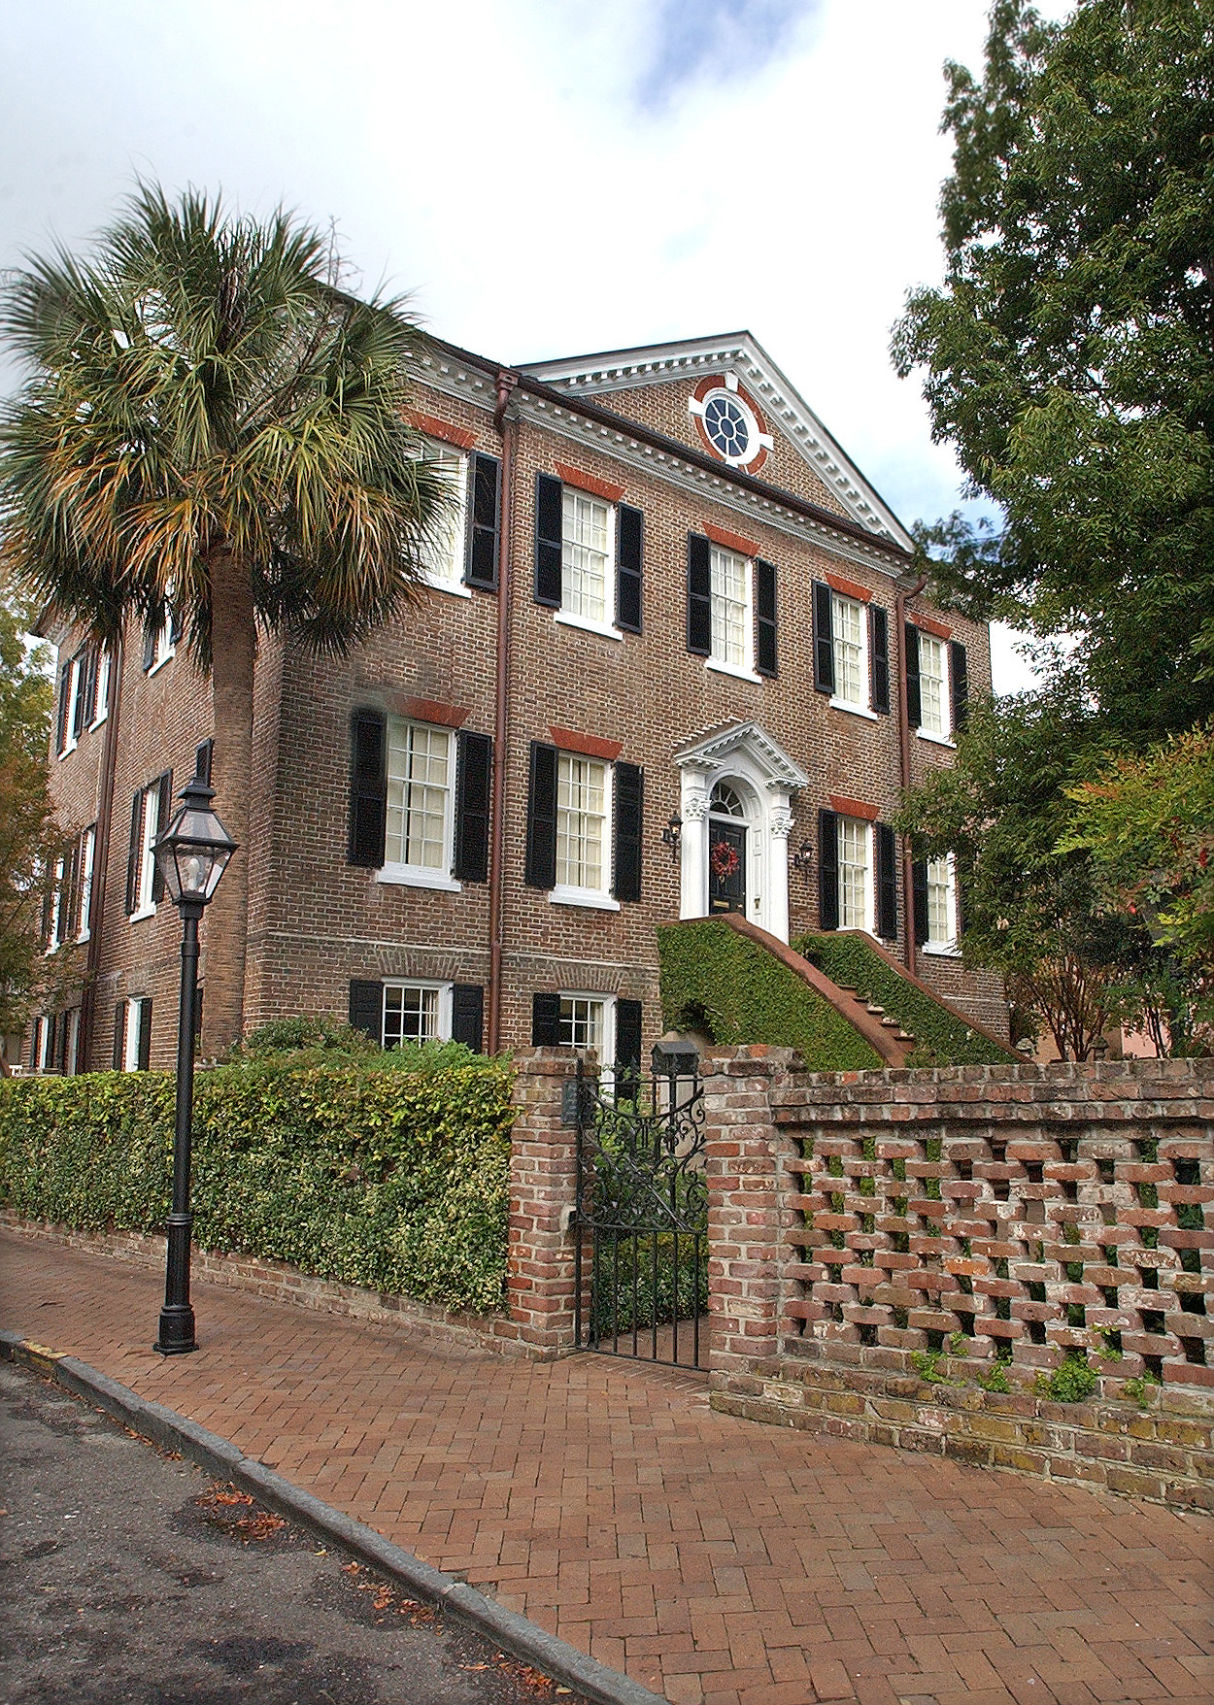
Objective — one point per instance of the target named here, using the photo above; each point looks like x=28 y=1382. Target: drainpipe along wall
x=508 y=428
x=904 y=754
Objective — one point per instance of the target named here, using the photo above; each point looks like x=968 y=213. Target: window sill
x=854 y=709
x=158 y=665
x=143 y=912
x=98 y=720
x=403 y=876
x=560 y=896
x=456 y=588
x=940 y=949
x=936 y=739
x=67 y=750
x=735 y=669
x=603 y=629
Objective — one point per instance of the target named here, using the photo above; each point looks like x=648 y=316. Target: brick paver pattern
x=710 y=1558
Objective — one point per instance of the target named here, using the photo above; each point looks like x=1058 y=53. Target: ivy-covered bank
x=362 y=1173
x=717 y=981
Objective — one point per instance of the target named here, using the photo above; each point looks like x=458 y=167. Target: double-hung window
x=420 y=807
x=149 y=813
x=404 y=1009
x=937 y=682
x=56 y=906
x=731 y=605
x=416 y=1012
x=588 y=551
x=851 y=648
x=855 y=875
x=581 y=1019
x=584 y=818
x=160 y=637
x=133 y=1034
x=933 y=686
x=444 y=547
x=935 y=898
x=857 y=871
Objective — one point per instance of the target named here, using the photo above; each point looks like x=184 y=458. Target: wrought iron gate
x=641 y=1221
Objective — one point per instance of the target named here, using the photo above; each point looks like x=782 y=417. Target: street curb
x=165 y=1427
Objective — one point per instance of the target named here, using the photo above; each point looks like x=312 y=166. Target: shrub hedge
x=393 y=1180
x=941 y=1038
x=714 y=977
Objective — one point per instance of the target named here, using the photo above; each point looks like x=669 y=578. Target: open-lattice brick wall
x=1017 y=1213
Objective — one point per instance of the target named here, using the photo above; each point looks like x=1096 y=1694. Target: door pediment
x=744 y=745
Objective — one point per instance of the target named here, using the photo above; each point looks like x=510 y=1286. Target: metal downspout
x=904 y=754
x=506 y=382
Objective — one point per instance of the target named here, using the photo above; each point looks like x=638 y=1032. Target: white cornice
x=626 y=369
x=747 y=505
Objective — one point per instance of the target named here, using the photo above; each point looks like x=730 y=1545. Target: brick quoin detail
x=543 y=1191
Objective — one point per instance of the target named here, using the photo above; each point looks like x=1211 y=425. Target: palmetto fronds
x=199 y=386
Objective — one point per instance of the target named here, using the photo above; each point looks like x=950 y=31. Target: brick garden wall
x=888 y=1250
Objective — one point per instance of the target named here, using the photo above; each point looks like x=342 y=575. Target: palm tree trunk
x=233 y=653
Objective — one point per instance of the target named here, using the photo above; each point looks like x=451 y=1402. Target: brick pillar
x=747 y=1190
x=543 y=1189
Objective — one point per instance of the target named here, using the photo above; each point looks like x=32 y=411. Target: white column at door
x=693 y=850
x=779 y=824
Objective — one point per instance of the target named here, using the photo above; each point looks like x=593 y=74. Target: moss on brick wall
x=373 y=1176
x=741 y=993
x=942 y=1038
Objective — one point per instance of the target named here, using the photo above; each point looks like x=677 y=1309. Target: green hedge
x=744 y=994
x=941 y=1038
x=392 y=1180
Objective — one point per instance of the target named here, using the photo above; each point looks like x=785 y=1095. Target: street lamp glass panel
x=194 y=850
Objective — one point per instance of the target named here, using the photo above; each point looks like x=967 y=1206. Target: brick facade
x=317 y=923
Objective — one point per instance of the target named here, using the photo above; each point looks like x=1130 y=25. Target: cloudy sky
x=544 y=177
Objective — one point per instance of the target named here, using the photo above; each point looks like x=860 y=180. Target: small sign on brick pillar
x=543 y=1193
x=747 y=1188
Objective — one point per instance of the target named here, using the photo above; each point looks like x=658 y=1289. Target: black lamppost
x=191 y=853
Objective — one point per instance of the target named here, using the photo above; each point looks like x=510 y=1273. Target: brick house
x=672 y=661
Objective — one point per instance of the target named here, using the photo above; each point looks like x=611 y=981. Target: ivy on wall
x=393 y=1180
x=716 y=980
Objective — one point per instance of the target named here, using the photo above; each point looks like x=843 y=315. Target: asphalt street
x=128 y=1577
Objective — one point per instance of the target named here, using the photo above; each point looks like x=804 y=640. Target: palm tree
x=210 y=420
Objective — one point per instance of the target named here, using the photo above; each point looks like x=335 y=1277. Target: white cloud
x=510 y=162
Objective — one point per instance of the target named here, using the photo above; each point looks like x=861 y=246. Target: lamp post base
x=176 y=1331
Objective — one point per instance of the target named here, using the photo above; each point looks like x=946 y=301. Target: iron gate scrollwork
x=641 y=1220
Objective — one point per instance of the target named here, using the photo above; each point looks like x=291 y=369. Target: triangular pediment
x=629 y=376
x=717 y=751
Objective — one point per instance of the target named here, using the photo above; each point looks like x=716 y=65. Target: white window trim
x=421 y=875
x=744 y=671
x=597 y=899
x=145 y=906
x=165 y=648
x=944 y=735
x=738 y=673
x=869 y=926
x=431 y=577
x=936 y=739
x=75 y=680
x=55 y=936
x=71 y=1051
x=606 y=629
x=102 y=711
x=950 y=947
x=42 y=1037
x=860 y=706
x=607 y=1049
x=134 y=1024
x=443 y=1016
x=88 y=846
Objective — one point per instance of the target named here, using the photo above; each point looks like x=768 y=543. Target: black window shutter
x=628 y=1034
x=824 y=639
x=765 y=618
x=92 y=660
x=164 y=804
x=545 y=1021
x=629 y=539
x=134 y=853
x=145 y=1034
x=50 y=1042
x=548 y=525
x=367 y=1008
x=149 y=643
x=828 y=870
x=541 y=818
x=468 y=1015
x=887 y=883
x=61 y=1043
x=699 y=595
x=368 y=788
x=960 y=677
x=81 y=717
x=878 y=650
x=174 y=624
x=914 y=704
x=474 y=769
x=69 y=904
x=629 y=786
x=35 y=1038
x=119 y=1035
x=919 y=898
x=65 y=676
x=480 y=568
x=204 y=757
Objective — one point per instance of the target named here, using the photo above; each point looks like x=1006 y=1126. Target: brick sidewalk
x=712 y=1559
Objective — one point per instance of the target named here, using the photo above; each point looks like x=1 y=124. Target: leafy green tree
x=1069 y=353
x=1073 y=965
x=1147 y=824
x=27 y=832
x=211 y=424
